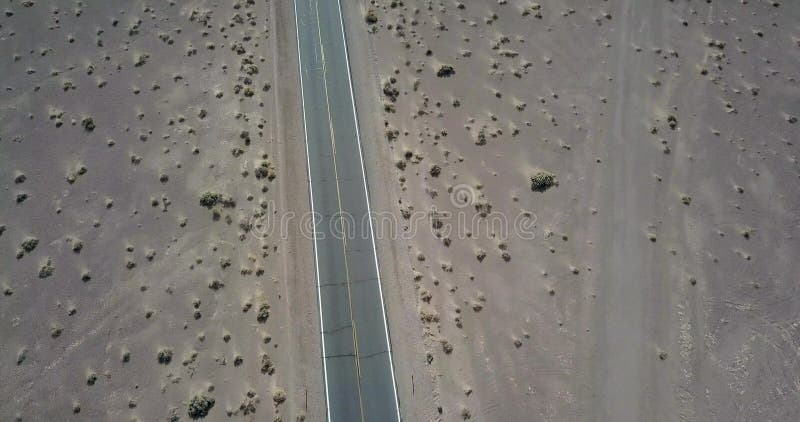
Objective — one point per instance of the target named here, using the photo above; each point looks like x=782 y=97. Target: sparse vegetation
x=445 y=71
x=543 y=181
x=447 y=347
x=88 y=123
x=141 y=59
x=210 y=199
x=263 y=313
x=248 y=406
x=279 y=396
x=267 y=367
x=47 y=269
x=29 y=244
x=672 y=121
x=483 y=208
x=265 y=170
x=371 y=17
x=390 y=90
x=480 y=140
x=200 y=405
x=164 y=356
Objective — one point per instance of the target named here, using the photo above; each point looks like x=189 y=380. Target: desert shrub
x=483 y=208
x=267 y=367
x=209 y=199
x=542 y=181
x=164 y=356
x=29 y=244
x=389 y=90
x=263 y=313
x=265 y=170
x=88 y=124
x=47 y=269
x=199 y=406
x=279 y=396
x=445 y=71
x=371 y=17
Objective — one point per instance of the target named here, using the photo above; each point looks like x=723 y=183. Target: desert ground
x=590 y=209
x=661 y=281
x=141 y=144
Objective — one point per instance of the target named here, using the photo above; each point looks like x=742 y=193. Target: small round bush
x=542 y=181
x=199 y=406
x=209 y=199
x=164 y=356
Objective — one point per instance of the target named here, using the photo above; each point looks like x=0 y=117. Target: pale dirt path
x=618 y=373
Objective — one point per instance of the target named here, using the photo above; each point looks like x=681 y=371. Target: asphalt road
x=359 y=374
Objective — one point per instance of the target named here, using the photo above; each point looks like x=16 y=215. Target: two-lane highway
x=357 y=360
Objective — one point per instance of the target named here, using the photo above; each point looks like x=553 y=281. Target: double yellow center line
x=341 y=214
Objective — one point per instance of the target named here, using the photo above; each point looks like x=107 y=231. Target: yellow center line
x=341 y=216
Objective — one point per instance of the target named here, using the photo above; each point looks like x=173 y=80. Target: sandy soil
x=124 y=298
x=661 y=281
x=642 y=155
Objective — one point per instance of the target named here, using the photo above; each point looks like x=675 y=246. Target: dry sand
x=661 y=283
x=124 y=297
x=650 y=146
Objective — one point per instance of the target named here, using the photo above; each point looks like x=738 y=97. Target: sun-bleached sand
x=588 y=210
x=652 y=147
x=140 y=144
